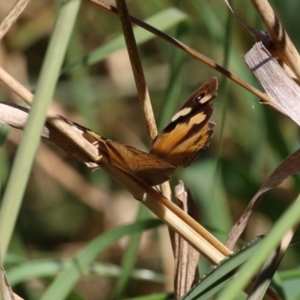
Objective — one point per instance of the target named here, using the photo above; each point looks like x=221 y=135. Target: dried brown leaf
x=277 y=83
x=268 y=270
x=16 y=116
x=290 y=166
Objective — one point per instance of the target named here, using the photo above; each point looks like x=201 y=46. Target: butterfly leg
x=144 y=197
x=98 y=160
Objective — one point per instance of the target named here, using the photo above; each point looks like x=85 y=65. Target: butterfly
x=178 y=144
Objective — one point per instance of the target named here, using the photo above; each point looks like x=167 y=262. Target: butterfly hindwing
x=149 y=168
x=189 y=129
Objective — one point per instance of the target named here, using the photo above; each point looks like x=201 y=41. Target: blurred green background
x=66 y=205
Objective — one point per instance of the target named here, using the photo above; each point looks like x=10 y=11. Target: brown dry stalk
x=141 y=85
x=137 y=70
x=184 y=225
x=189 y=51
x=52 y=118
x=140 y=81
x=12 y=16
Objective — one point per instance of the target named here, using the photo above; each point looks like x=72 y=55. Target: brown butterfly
x=188 y=131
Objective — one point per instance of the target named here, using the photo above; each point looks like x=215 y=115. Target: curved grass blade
x=216 y=279
x=65 y=281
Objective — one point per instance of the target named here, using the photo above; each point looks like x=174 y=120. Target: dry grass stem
x=12 y=16
x=191 y=52
x=52 y=117
x=137 y=69
x=184 y=225
x=140 y=82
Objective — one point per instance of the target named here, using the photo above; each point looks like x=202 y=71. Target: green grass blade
x=162 y=296
x=31 y=269
x=129 y=257
x=214 y=281
x=25 y=155
x=289 y=219
x=65 y=281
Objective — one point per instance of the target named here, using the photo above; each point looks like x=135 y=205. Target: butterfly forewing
x=189 y=129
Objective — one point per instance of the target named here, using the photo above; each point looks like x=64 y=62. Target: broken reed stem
x=52 y=117
x=284 y=45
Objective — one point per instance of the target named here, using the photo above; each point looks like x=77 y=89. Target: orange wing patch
x=190 y=128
